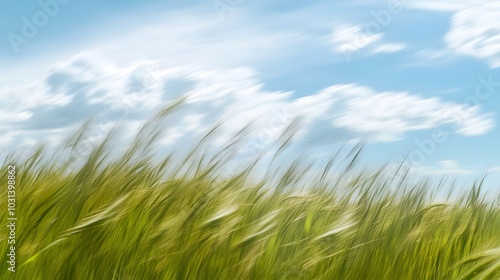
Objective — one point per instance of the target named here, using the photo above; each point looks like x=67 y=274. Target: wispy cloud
x=494 y=169
x=348 y=39
x=351 y=38
x=389 y=48
x=445 y=167
x=445 y=5
x=442 y=5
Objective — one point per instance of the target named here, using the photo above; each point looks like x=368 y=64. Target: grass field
x=131 y=216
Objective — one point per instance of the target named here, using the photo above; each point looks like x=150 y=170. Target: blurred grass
x=132 y=216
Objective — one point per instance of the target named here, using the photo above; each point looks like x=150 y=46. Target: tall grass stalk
x=137 y=215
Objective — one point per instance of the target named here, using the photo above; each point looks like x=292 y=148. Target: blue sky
x=392 y=71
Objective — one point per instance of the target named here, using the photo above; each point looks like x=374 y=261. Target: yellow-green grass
x=134 y=216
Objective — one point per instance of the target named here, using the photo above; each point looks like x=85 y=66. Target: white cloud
x=449 y=164
x=475 y=32
x=356 y=111
x=474 y=28
x=442 y=5
x=446 y=170
x=389 y=48
x=348 y=39
x=470 y=121
x=494 y=169
x=441 y=168
x=446 y=5
x=434 y=54
x=80 y=88
x=202 y=39
x=351 y=38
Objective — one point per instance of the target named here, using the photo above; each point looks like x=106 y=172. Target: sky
x=414 y=78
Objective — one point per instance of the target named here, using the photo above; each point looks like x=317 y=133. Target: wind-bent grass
x=184 y=217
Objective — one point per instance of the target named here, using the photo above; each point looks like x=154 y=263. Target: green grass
x=132 y=216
